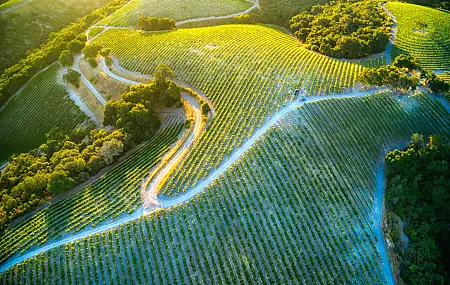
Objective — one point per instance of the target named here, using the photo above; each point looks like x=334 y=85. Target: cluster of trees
x=58 y=165
x=343 y=29
x=398 y=76
x=418 y=191
x=71 y=38
x=134 y=111
x=156 y=24
x=92 y=51
x=72 y=77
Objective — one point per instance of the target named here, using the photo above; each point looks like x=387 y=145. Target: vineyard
x=423 y=33
x=34 y=111
x=247 y=71
x=176 y=10
x=298 y=207
x=114 y=194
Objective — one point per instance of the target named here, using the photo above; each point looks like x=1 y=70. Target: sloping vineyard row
x=115 y=193
x=40 y=106
x=296 y=208
x=176 y=10
x=248 y=72
x=423 y=33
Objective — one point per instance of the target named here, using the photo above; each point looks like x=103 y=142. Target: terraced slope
x=40 y=106
x=115 y=193
x=176 y=10
x=247 y=71
x=299 y=207
x=422 y=32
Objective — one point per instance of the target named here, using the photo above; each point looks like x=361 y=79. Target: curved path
x=166 y=202
x=179 y=23
x=255 y=5
x=76 y=67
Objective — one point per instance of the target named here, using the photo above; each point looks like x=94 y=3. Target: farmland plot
x=422 y=32
x=176 y=10
x=247 y=71
x=298 y=207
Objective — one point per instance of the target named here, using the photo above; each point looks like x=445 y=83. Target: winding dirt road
x=76 y=67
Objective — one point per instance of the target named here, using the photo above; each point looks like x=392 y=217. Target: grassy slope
x=176 y=10
x=40 y=106
x=298 y=207
x=432 y=45
x=248 y=72
x=28 y=26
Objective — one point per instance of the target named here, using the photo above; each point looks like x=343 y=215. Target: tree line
x=418 y=191
x=401 y=76
x=68 y=39
x=68 y=159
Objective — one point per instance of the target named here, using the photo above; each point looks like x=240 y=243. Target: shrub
x=72 y=77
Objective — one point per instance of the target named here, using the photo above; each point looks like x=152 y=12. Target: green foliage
x=418 y=191
x=42 y=105
x=343 y=29
x=17 y=75
x=406 y=61
x=436 y=84
x=105 y=52
x=92 y=62
x=280 y=12
x=92 y=50
x=155 y=24
x=32 y=23
x=388 y=75
x=205 y=109
x=64 y=161
x=66 y=58
x=75 y=46
x=73 y=77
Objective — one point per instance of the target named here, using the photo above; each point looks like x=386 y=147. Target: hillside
x=423 y=33
x=227 y=148
x=22 y=121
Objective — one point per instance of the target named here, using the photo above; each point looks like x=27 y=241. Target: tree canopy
x=343 y=29
x=61 y=163
x=134 y=111
x=418 y=191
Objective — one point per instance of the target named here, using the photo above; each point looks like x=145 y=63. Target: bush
x=155 y=24
x=205 y=109
x=92 y=62
x=72 y=77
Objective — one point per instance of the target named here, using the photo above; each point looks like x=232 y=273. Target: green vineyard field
x=40 y=106
x=247 y=71
x=422 y=32
x=174 y=9
x=298 y=207
x=115 y=193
